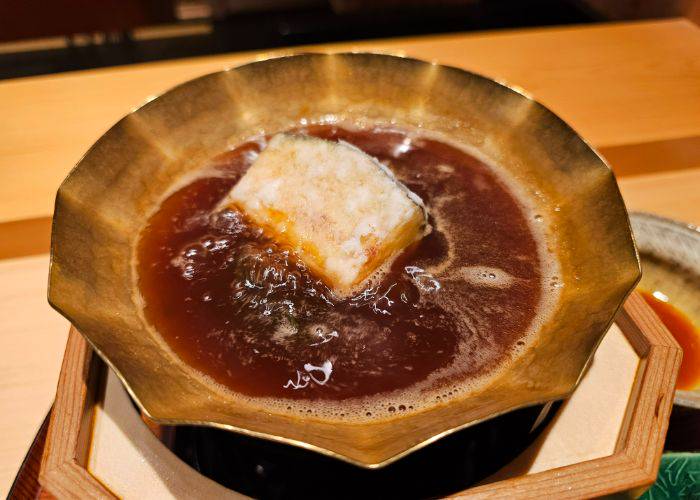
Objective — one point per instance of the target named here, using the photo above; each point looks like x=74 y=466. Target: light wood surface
x=32 y=341
x=616 y=84
x=631 y=89
x=673 y=194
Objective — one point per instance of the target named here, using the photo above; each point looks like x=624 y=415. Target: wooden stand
x=629 y=457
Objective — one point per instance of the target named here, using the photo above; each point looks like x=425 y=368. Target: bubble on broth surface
x=484 y=276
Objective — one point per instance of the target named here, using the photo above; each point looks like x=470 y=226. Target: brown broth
x=242 y=310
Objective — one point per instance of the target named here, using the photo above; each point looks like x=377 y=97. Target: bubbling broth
x=246 y=312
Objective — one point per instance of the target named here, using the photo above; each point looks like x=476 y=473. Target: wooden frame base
x=633 y=464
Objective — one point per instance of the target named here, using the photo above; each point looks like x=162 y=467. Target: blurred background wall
x=47 y=36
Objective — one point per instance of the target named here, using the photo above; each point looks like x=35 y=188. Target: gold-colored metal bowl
x=106 y=200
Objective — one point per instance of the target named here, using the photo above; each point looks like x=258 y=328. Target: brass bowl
x=105 y=201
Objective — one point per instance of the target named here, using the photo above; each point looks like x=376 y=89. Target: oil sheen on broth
x=244 y=311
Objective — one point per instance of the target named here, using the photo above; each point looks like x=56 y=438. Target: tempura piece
x=341 y=210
